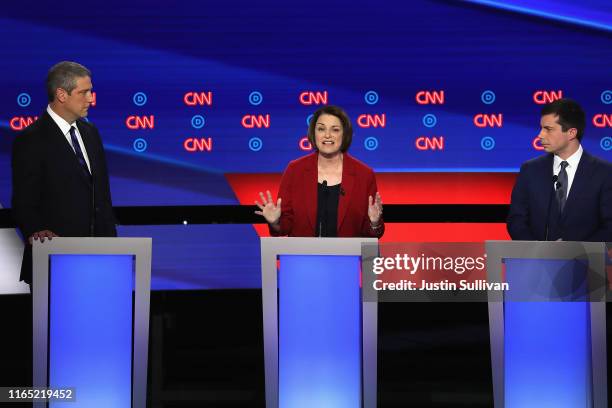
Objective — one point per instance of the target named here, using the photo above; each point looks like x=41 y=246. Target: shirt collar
x=63 y=125
x=572 y=161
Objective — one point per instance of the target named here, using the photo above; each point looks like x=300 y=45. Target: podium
x=319 y=337
x=91 y=319
x=548 y=331
x=11 y=253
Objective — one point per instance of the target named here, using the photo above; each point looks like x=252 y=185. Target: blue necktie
x=79 y=152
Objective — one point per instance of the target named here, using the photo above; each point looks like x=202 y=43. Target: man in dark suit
x=60 y=179
x=566 y=194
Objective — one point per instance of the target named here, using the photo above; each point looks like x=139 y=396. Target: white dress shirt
x=65 y=128
x=572 y=162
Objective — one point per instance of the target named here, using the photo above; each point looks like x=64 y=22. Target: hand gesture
x=267 y=208
x=41 y=235
x=375 y=209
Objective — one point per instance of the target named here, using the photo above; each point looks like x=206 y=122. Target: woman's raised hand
x=268 y=209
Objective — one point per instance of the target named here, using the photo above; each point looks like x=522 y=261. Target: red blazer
x=298 y=191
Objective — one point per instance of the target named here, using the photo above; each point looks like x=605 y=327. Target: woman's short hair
x=347 y=128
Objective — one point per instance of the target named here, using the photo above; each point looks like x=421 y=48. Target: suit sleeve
x=366 y=227
x=28 y=172
x=604 y=232
x=285 y=193
x=518 y=218
x=105 y=202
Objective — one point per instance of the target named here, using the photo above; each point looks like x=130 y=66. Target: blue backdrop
x=256 y=58
x=259 y=58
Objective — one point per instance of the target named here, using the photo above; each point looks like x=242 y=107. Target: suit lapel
x=58 y=138
x=348 y=182
x=63 y=147
x=544 y=189
x=581 y=179
x=310 y=183
x=89 y=147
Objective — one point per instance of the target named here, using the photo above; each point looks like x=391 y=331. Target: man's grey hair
x=64 y=75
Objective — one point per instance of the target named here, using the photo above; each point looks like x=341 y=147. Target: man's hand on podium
x=42 y=235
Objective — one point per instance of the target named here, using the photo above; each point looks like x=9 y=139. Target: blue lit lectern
x=548 y=331
x=319 y=337
x=91 y=319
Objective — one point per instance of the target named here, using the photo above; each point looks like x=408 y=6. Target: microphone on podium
x=556 y=185
x=324 y=217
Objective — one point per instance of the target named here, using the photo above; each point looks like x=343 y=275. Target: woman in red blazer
x=327 y=193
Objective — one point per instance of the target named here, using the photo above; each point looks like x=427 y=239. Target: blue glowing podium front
x=548 y=331
x=91 y=319
x=319 y=337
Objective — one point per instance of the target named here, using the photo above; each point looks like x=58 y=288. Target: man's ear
x=61 y=95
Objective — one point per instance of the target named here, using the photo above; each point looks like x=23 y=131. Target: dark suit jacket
x=50 y=191
x=587 y=215
x=298 y=191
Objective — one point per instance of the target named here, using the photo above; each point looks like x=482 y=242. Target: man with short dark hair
x=60 y=179
x=566 y=194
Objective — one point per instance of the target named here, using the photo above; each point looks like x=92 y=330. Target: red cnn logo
x=429 y=143
x=313 y=98
x=483 y=120
x=544 y=97
x=192 y=144
x=93 y=99
x=305 y=144
x=536 y=143
x=140 y=122
x=430 y=97
x=602 y=120
x=22 y=122
x=198 y=98
x=366 y=121
x=253 y=121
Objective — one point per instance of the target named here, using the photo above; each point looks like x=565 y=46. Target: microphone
x=556 y=185
x=556 y=182
x=92 y=219
x=324 y=217
x=342 y=190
